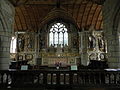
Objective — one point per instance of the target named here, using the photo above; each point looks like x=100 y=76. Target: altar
x=55 y=60
x=63 y=59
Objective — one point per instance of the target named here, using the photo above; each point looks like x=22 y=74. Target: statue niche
x=101 y=43
x=75 y=42
x=21 y=42
x=41 y=42
x=28 y=42
x=25 y=42
x=91 y=42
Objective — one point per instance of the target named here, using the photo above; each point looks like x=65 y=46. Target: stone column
x=110 y=11
x=83 y=48
x=36 y=49
x=6 y=28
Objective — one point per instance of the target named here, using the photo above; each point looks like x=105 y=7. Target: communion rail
x=59 y=79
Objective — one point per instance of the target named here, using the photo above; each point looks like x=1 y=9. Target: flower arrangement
x=58 y=64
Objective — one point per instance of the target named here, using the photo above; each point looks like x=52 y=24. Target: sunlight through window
x=58 y=35
x=13 y=45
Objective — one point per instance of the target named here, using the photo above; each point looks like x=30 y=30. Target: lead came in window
x=58 y=35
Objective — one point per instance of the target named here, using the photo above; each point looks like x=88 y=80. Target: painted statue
x=101 y=43
x=91 y=42
x=21 y=42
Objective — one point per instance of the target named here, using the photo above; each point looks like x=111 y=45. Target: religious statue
x=91 y=38
x=101 y=43
x=21 y=42
x=75 y=42
x=28 y=42
x=91 y=42
x=41 y=43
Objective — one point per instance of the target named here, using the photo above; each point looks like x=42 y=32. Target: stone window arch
x=58 y=35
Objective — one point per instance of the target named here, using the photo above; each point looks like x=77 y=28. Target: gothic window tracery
x=58 y=35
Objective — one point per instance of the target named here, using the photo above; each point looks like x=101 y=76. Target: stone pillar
x=110 y=11
x=37 y=48
x=83 y=36
x=6 y=28
x=118 y=34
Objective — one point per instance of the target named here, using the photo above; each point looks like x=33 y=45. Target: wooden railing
x=57 y=78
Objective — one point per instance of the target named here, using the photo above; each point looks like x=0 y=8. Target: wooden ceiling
x=30 y=13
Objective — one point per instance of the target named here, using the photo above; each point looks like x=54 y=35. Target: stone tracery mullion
x=58 y=31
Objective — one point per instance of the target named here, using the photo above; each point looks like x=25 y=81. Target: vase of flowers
x=57 y=64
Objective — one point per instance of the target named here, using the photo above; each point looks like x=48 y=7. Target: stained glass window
x=58 y=35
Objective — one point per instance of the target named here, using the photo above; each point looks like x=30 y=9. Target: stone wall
x=110 y=12
x=6 y=29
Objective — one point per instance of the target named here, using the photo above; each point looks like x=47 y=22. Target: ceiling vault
x=30 y=13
